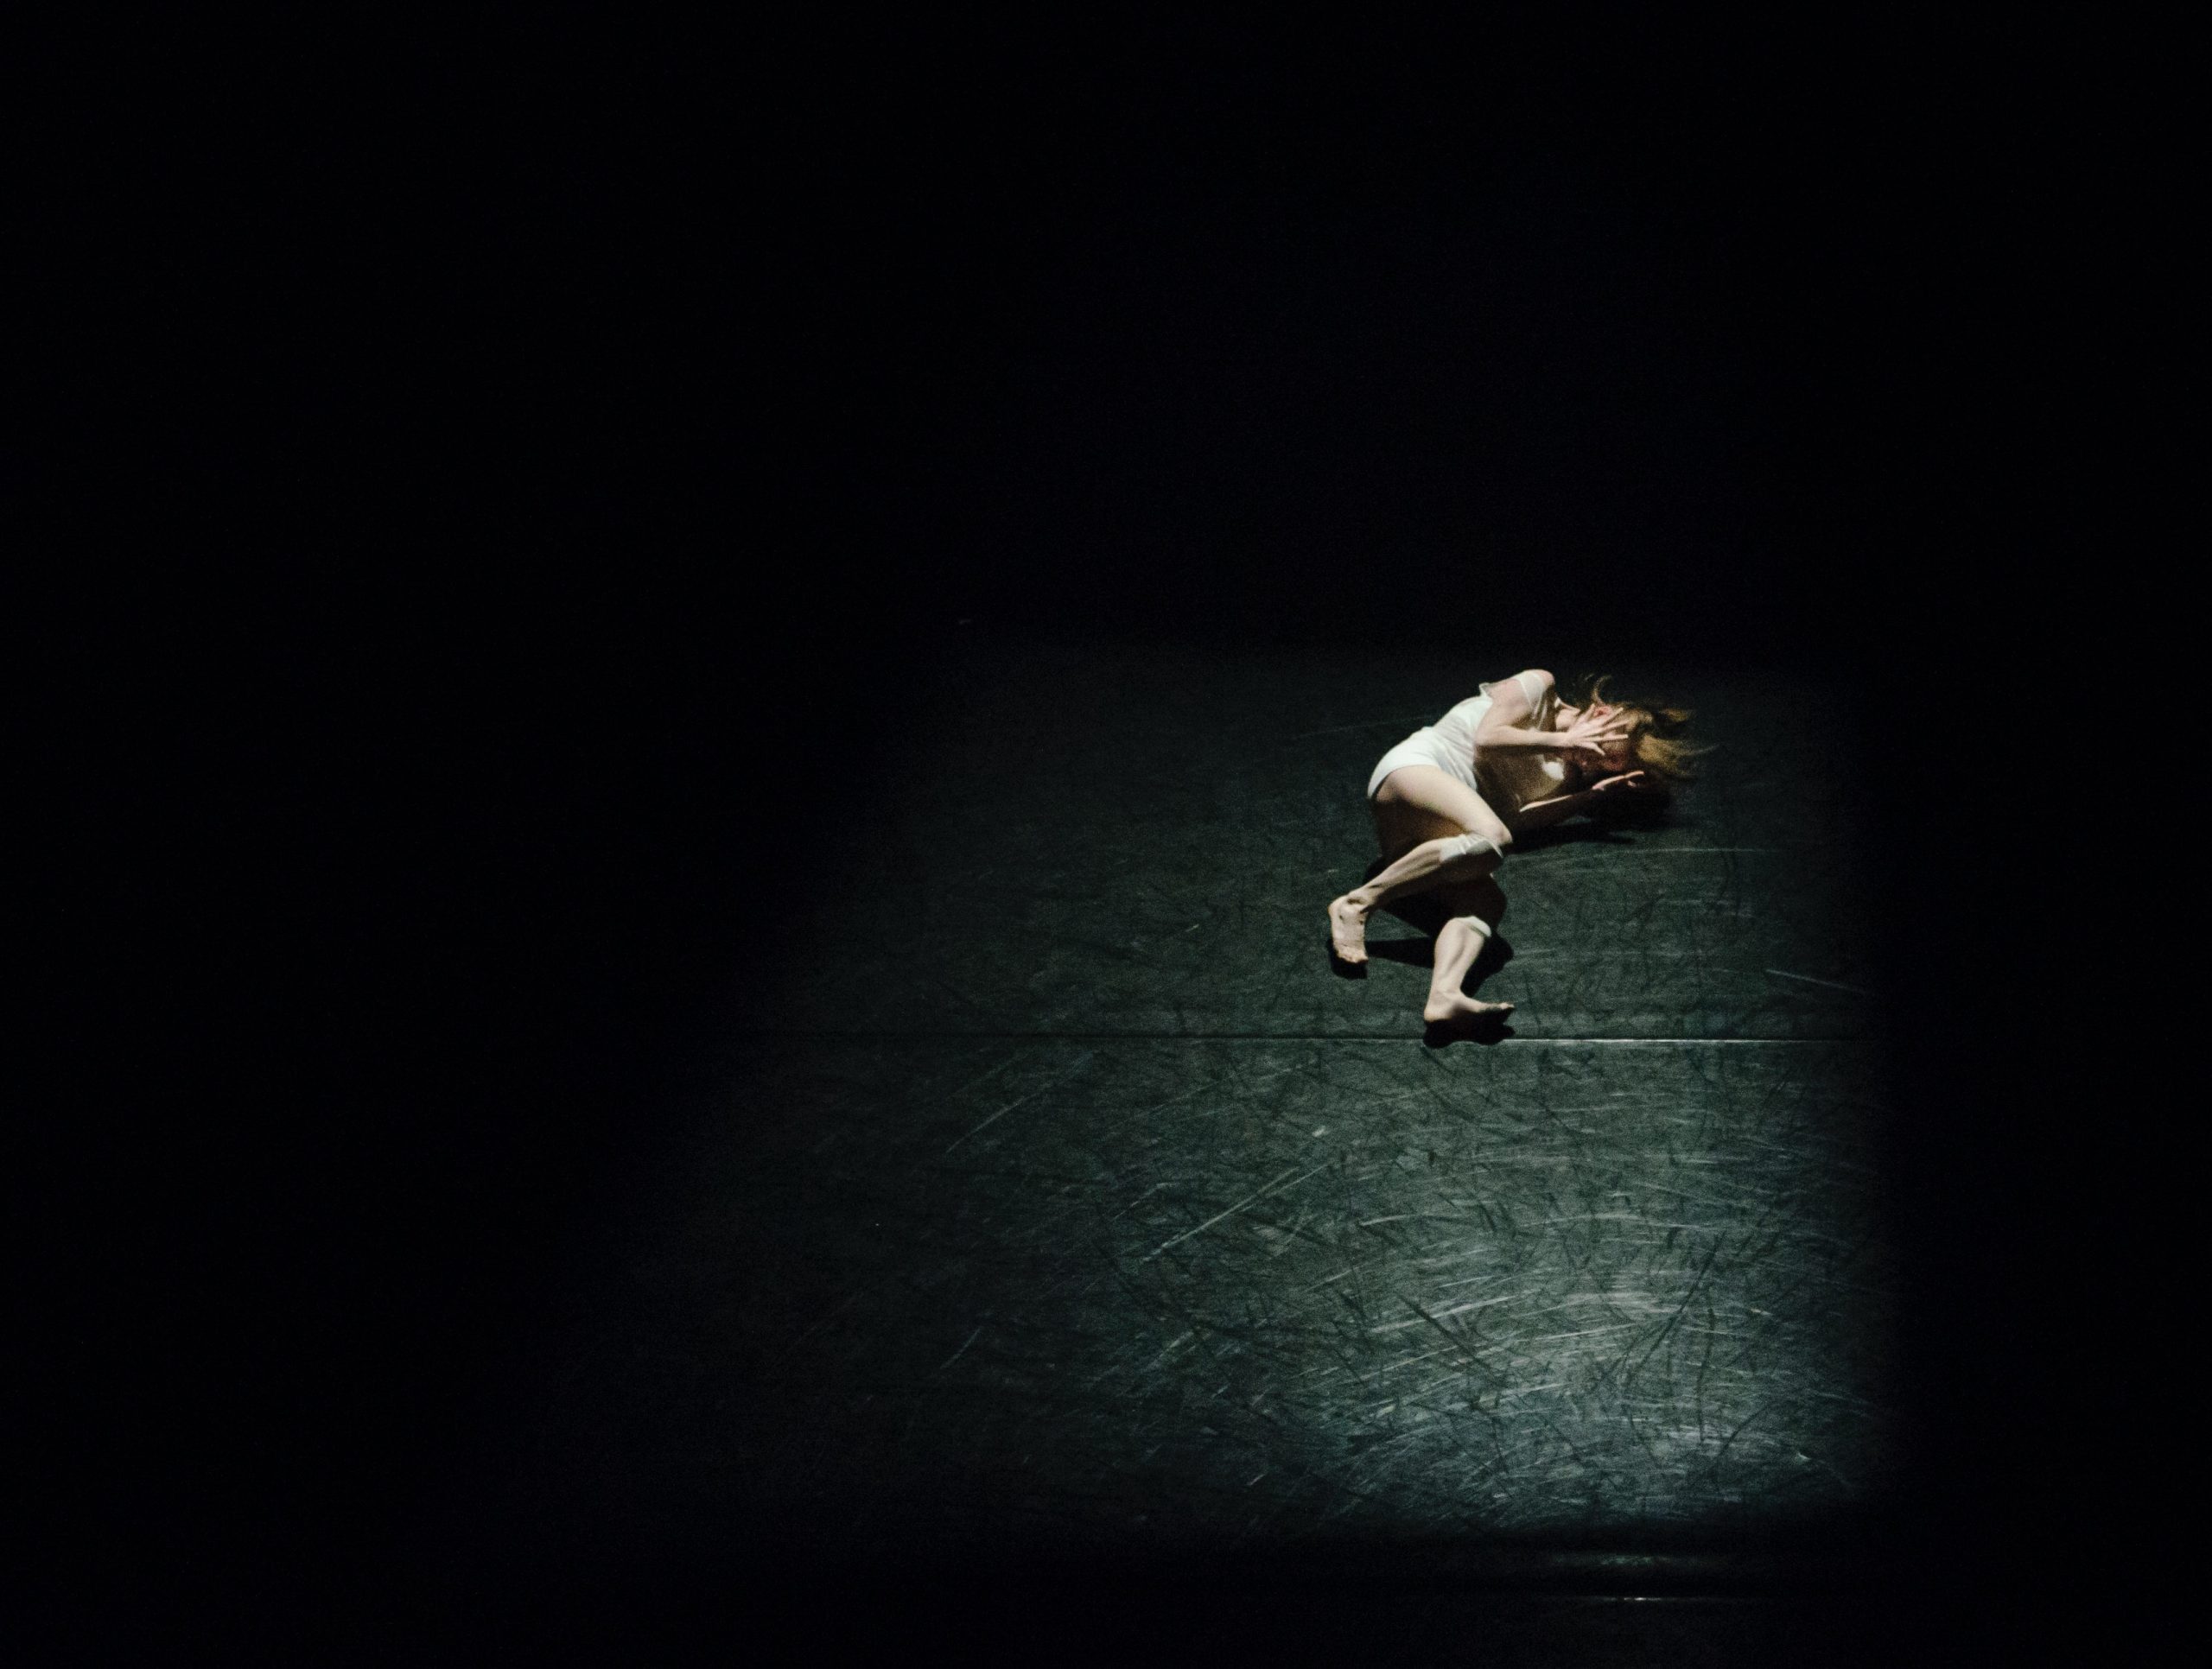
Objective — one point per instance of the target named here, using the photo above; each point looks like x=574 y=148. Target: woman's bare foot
x=1460 y=1009
x=1348 y=931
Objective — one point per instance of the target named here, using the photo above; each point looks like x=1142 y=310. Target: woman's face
x=1617 y=757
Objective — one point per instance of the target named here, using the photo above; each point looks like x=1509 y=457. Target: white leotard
x=1508 y=778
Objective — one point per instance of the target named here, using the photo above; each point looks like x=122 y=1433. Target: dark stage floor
x=614 y=1060
x=1066 y=1211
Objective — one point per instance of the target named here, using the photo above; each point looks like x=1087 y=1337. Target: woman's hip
x=1423 y=747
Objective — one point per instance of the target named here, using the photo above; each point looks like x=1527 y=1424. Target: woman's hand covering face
x=1599 y=732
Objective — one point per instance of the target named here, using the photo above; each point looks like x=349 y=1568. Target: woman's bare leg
x=1421 y=815
x=1476 y=911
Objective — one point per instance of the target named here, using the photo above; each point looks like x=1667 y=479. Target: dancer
x=1449 y=800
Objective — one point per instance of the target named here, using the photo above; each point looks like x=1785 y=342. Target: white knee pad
x=1466 y=846
x=1483 y=929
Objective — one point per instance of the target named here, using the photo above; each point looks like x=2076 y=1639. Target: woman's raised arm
x=1513 y=704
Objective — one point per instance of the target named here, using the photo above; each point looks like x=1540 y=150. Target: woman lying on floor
x=1449 y=800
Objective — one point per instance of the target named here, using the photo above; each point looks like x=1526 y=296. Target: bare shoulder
x=1515 y=699
x=1532 y=686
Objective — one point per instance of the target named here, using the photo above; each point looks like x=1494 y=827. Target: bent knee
x=1496 y=837
x=1472 y=845
x=1481 y=925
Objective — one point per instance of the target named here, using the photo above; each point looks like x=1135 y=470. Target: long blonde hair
x=1657 y=743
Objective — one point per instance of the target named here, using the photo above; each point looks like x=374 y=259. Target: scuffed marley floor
x=1066 y=1205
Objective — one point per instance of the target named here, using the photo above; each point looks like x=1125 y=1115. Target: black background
x=511 y=455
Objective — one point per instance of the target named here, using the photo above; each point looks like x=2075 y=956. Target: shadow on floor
x=1427 y=917
x=1489 y=1031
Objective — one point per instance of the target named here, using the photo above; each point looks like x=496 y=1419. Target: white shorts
x=1425 y=747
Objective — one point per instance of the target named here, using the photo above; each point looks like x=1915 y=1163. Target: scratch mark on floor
x=996 y=1116
x=1074 y=1066
x=1279 y=1182
x=1832 y=985
x=961 y=1352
